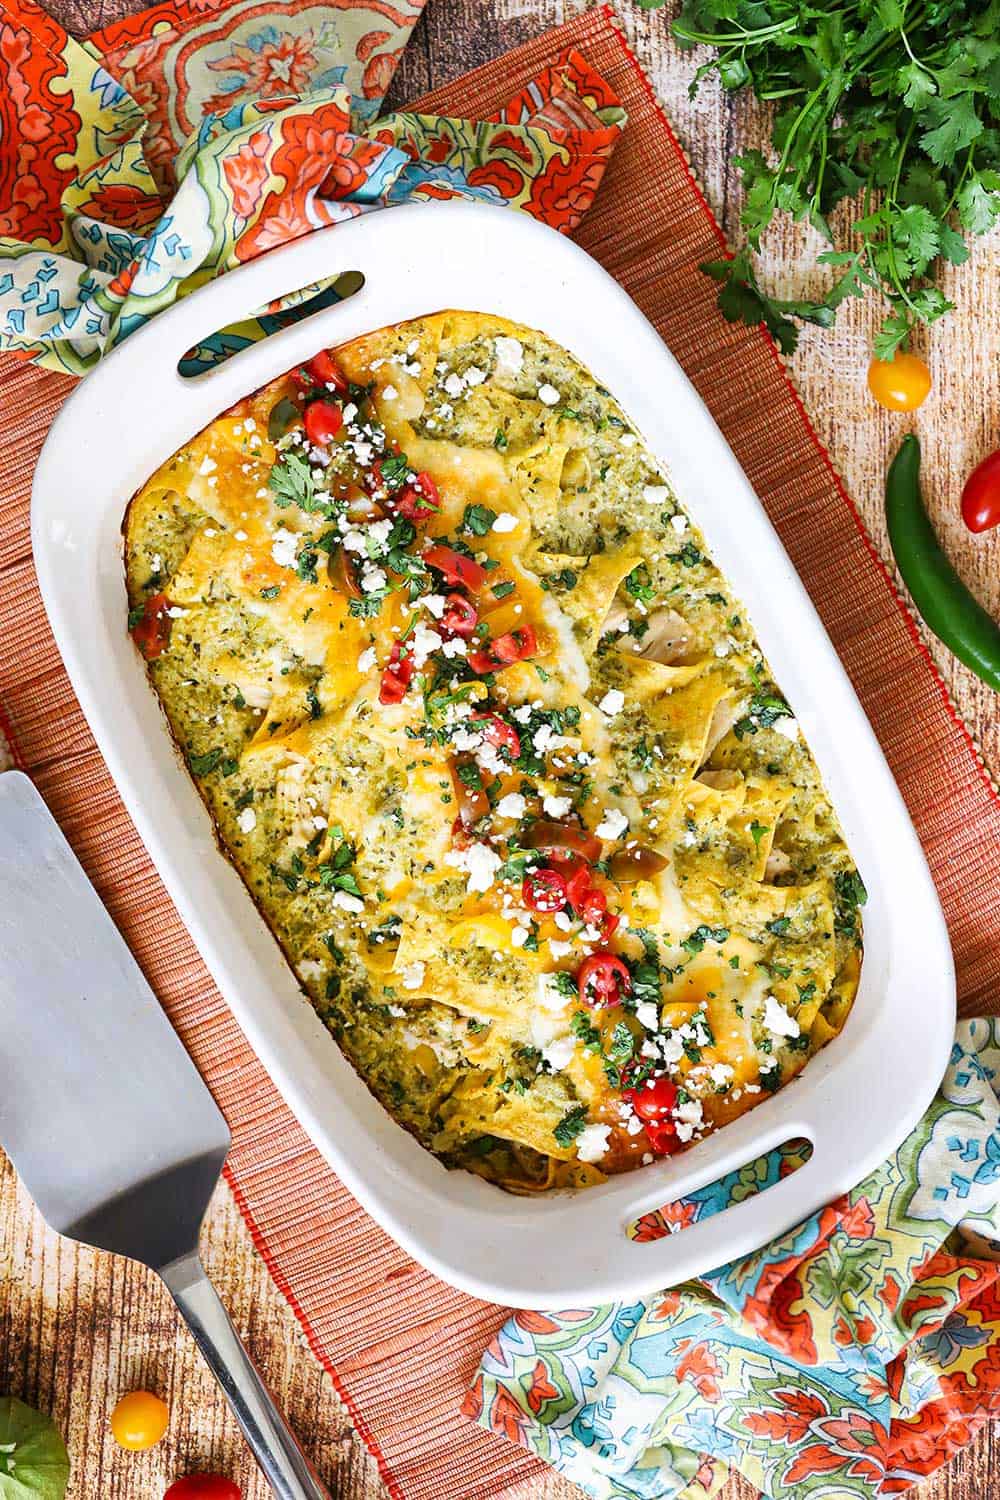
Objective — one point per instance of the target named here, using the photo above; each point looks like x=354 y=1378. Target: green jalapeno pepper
x=941 y=598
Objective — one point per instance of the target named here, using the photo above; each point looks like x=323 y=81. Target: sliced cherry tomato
x=152 y=633
x=342 y=574
x=481 y=662
x=578 y=886
x=900 y=384
x=325 y=370
x=637 y=862
x=593 y=908
x=498 y=733
x=323 y=421
x=456 y=567
x=548 y=835
x=472 y=800
x=603 y=979
x=418 y=500
x=460 y=616
x=662 y=1137
x=655 y=1100
x=516 y=645
x=544 y=891
x=981 y=495
x=139 y=1421
x=396 y=677
x=203 y=1487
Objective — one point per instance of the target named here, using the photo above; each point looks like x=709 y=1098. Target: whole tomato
x=981 y=495
x=203 y=1487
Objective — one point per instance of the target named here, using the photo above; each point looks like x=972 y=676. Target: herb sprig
x=892 y=104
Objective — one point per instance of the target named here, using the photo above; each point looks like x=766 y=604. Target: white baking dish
x=855 y=1101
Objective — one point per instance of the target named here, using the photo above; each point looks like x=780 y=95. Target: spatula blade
x=102 y=1112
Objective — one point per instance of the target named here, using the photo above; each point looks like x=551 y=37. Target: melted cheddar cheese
x=493 y=747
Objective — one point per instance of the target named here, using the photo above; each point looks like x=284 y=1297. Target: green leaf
x=915 y=238
x=978 y=208
x=893 y=334
x=916 y=85
x=204 y=765
x=478 y=519
x=282 y=415
x=34 y=1464
x=953 y=125
x=570 y=1125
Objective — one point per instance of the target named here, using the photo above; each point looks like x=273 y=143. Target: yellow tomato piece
x=900 y=384
x=139 y=1421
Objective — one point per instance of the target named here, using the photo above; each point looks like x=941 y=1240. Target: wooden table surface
x=78 y=1328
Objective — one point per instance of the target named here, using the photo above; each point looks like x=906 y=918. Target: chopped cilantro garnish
x=272 y=592
x=478 y=519
x=501 y=590
x=757 y=832
x=570 y=1125
x=313 y=704
x=500 y=439
x=703 y=934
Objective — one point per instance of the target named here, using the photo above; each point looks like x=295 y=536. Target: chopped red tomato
x=418 y=500
x=578 y=886
x=325 y=370
x=603 y=979
x=343 y=574
x=323 y=420
x=498 y=733
x=152 y=632
x=516 y=645
x=544 y=891
x=549 y=835
x=460 y=616
x=396 y=677
x=636 y=862
x=456 y=567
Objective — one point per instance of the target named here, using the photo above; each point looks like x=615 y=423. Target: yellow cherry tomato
x=139 y=1421
x=900 y=384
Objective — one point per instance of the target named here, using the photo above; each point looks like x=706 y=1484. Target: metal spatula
x=102 y=1111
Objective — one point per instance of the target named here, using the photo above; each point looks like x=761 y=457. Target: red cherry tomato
x=418 y=500
x=549 y=836
x=203 y=1487
x=456 y=567
x=516 y=645
x=481 y=662
x=655 y=1100
x=662 y=1137
x=578 y=886
x=323 y=421
x=460 y=616
x=498 y=733
x=152 y=633
x=603 y=979
x=981 y=495
x=396 y=677
x=544 y=891
x=325 y=370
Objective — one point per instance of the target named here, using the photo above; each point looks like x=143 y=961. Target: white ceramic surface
x=856 y=1099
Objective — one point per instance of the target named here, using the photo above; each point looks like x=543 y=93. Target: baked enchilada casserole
x=493 y=747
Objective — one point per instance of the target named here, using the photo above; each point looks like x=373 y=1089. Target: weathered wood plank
x=77 y=1328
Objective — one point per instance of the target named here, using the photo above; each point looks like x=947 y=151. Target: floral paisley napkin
x=851 y=1357
x=179 y=143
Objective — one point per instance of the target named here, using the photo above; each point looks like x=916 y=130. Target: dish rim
x=134 y=410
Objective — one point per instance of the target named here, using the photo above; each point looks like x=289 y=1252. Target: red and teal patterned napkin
x=184 y=141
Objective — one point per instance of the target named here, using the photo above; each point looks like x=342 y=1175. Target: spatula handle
x=282 y=1461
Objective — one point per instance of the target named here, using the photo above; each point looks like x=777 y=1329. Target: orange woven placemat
x=400 y=1346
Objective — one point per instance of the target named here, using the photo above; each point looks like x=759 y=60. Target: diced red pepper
x=498 y=733
x=396 y=677
x=460 y=616
x=544 y=891
x=323 y=420
x=456 y=567
x=152 y=633
x=603 y=979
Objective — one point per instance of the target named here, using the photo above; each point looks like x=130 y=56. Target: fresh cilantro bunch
x=891 y=104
